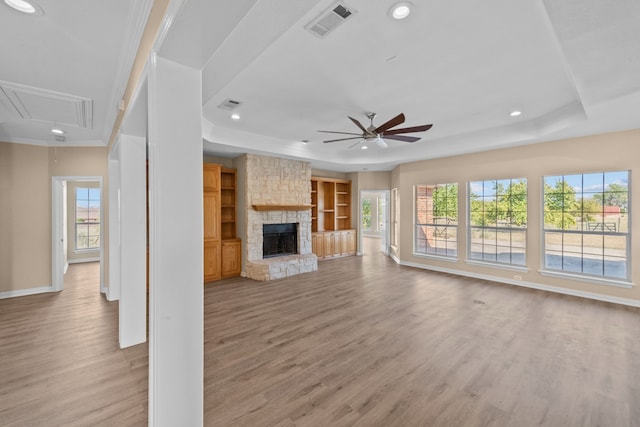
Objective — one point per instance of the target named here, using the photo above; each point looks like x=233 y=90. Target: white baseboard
x=549 y=288
x=25 y=292
x=81 y=260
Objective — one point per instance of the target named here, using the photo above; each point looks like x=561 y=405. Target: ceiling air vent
x=328 y=20
x=229 y=104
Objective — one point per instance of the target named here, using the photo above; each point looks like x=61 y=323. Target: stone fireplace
x=278 y=192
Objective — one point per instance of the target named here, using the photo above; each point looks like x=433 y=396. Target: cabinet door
x=231 y=258
x=344 y=242
x=212 y=261
x=211 y=204
x=337 y=243
x=328 y=245
x=351 y=242
x=210 y=177
x=317 y=244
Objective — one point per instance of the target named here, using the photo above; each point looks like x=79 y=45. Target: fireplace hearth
x=279 y=240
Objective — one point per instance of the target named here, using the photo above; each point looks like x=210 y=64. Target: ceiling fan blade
x=399 y=119
x=402 y=138
x=343 y=139
x=357 y=143
x=422 y=128
x=342 y=133
x=381 y=143
x=357 y=123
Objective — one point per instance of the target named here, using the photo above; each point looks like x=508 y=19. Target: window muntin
x=498 y=221
x=87 y=214
x=586 y=224
x=436 y=228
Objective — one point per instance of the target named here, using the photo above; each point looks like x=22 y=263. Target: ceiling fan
x=380 y=133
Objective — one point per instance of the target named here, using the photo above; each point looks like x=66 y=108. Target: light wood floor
x=363 y=342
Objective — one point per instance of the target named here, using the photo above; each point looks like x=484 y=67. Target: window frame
x=582 y=276
x=75 y=218
x=470 y=228
x=393 y=213
x=456 y=226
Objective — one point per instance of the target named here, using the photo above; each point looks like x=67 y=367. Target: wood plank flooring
x=60 y=363
x=363 y=342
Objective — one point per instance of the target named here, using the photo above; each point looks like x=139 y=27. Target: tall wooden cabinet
x=222 y=250
x=332 y=235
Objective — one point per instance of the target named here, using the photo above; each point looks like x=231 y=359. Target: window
x=381 y=210
x=366 y=214
x=586 y=224
x=87 y=218
x=394 y=208
x=436 y=231
x=498 y=221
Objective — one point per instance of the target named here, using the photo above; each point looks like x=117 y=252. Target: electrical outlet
x=517 y=277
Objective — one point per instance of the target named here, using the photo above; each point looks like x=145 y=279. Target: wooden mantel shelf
x=281 y=207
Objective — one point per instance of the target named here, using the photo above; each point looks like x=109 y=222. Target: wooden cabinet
x=317 y=244
x=331 y=244
x=222 y=250
x=332 y=234
x=212 y=261
x=231 y=258
x=211 y=221
x=348 y=242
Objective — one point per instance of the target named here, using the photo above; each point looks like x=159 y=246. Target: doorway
x=77 y=216
x=374 y=224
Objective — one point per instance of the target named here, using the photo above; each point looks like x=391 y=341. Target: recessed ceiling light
x=25 y=6
x=515 y=113
x=305 y=141
x=364 y=147
x=235 y=116
x=57 y=131
x=400 y=10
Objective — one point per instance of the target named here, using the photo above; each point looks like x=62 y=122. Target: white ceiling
x=66 y=68
x=571 y=66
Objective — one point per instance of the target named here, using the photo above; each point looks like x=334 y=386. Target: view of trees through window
x=437 y=219
x=586 y=223
x=366 y=214
x=87 y=218
x=498 y=220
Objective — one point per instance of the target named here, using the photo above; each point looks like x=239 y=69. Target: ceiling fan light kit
x=380 y=133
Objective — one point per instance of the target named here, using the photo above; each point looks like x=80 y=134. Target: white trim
x=590 y=279
x=509 y=267
x=57 y=267
x=170 y=14
x=384 y=236
x=436 y=257
x=395 y=258
x=25 y=292
x=81 y=260
x=135 y=26
x=548 y=288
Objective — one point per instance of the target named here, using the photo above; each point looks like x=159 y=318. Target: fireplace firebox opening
x=279 y=240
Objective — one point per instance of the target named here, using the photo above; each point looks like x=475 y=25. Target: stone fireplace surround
x=278 y=191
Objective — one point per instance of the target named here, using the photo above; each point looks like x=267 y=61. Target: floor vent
x=330 y=19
